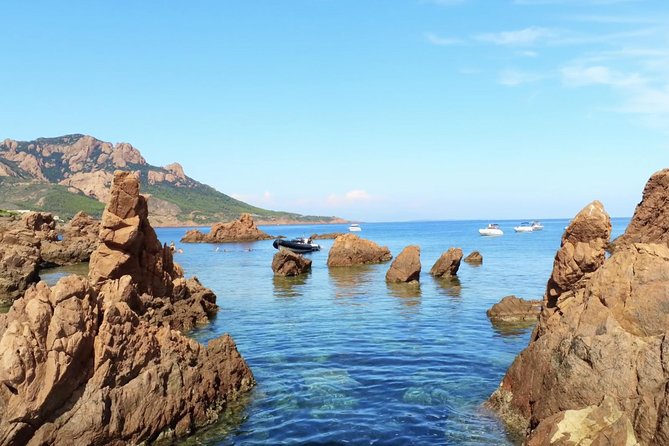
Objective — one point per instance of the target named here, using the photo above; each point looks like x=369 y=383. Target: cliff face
x=71 y=173
x=596 y=370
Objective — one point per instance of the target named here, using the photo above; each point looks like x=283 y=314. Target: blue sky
x=378 y=110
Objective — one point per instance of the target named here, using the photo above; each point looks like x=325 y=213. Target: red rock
x=474 y=258
x=512 y=309
x=19 y=260
x=349 y=249
x=242 y=230
x=406 y=267
x=448 y=264
x=287 y=263
x=79 y=240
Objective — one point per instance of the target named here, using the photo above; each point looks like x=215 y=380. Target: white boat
x=354 y=227
x=491 y=230
x=525 y=226
x=537 y=226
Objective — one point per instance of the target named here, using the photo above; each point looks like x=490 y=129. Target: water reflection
x=53 y=275
x=351 y=281
x=451 y=286
x=511 y=329
x=289 y=286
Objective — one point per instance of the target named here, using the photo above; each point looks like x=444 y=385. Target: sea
x=341 y=357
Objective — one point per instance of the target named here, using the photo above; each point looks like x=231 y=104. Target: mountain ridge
x=68 y=173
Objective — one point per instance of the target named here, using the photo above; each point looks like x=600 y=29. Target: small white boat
x=354 y=227
x=525 y=226
x=537 y=226
x=491 y=230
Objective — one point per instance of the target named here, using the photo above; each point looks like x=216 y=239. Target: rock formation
x=349 y=249
x=98 y=362
x=406 y=267
x=475 y=258
x=287 y=263
x=512 y=309
x=242 y=230
x=448 y=264
x=19 y=260
x=79 y=240
x=327 y=236
x=597 y=361
x=42 y=223
x=650 y=223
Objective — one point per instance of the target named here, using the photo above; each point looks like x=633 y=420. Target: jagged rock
x=42 y=223
x=593 y=425
x=79 y=240
x=475 y=258
x=94 y=184
x=605 y=337
x=448 y=264
x=650 y=223
x=406 y=267
x=78 y=368
x=242 y=230
x=349 y=249
x=512 y=309
x=327 y=236
x=582 y=251
x=19 y=260
x=287 y=263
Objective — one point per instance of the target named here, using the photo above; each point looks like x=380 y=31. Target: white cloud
x=350 y=197
x=527 y=53
x=527 y=36
x=514 y=78
x=438 y=40
x=575 y=76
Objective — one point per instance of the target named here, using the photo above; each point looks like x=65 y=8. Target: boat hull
x=296 y=247
x=491 y=232
x=523 y=229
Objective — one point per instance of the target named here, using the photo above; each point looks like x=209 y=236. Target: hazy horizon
x=399 y=110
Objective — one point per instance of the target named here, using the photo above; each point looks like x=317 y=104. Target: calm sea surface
x=343 y=358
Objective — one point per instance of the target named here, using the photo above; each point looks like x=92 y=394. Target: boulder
x=406 y=267
x=650 y=222
x=79 y=240
x=475 y=258
x=19 y=260
x=327 y=236
x=448 y=264
x=242 y=230
x=349 y=249
x=42 y=223
x=512 y=309
x=604 y=338
x=287 y=263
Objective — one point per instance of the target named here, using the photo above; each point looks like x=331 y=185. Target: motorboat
x=491 y=230
x=525 y=226
x=537 y=226
x=299 y=245
x=354 y=227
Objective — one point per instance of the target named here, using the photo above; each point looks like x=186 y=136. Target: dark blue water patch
x=343 y=358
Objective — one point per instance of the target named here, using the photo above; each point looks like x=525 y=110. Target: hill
x=70 y=173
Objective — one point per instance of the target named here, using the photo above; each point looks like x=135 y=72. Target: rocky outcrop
x=326 y=236
x=349 y=249
x=98 y=362
x=79 y=240
x=447 y=264
x=19 y=260
x=513 y=310
x=475 y=258
x=406 y=267
x=650 y=223
x=242 y=230
x=78 y=368
x=287 y=263
x=42 y=223
x=94 y=184
x=604 y=338
x=128 y=245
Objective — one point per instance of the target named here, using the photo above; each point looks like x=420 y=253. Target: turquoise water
x=342 y=357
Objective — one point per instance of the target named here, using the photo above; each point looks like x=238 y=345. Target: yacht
x=537 y=226
x=354 y=227
x=491 y=230
x=525 y=226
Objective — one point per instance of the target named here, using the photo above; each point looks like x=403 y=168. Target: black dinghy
x=298 y=245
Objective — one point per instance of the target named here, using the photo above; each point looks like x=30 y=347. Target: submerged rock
x=406 y=267
x=242 y=230
x=287 y=263
x=349 y=249
x=475 y=258
x=602 y=336
x=448 y=264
